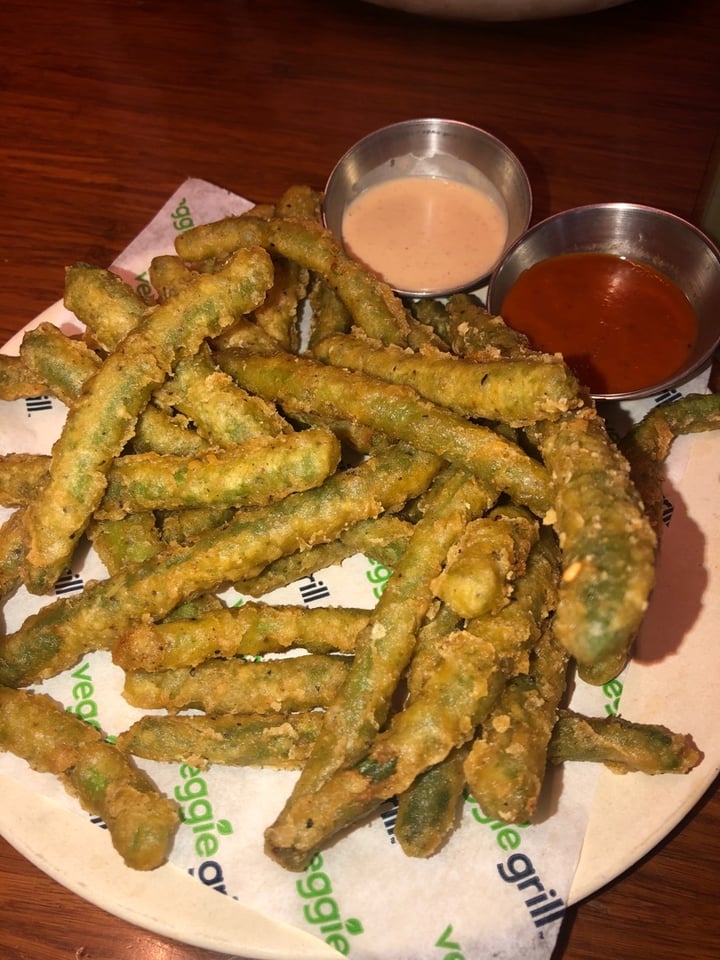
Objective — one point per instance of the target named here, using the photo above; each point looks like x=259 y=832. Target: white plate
x=667 y=682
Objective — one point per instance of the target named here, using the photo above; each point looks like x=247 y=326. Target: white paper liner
x=493 y=891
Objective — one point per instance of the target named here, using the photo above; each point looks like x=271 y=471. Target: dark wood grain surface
x=107 y=106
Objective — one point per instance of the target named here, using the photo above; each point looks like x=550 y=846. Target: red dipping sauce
x=621 y=325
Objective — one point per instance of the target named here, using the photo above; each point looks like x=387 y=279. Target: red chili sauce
x=620 y=325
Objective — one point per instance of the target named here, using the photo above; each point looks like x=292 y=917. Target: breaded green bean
x=132 y=539
x=278 y=316
x=385 y=646
x=255 y=473
x=279 y=741
x=433 y=313
x=140 y=820
x=221 y=411
x=107 y=305
x=474 y=333
x=241 y=686
x=168 y=275
x=17 y=381
x=383 y=539
x=251 y=630
x=184 y=526
x=22 y=476
x=246 y=334
x=515 y=391
x=429 y=810
x=470 y=675
x=104 y=417
x=218 y=408
x=302 y=384
x=622 y=745
x=505 y=768
x=62 y=632
x=299 y=202
x=12 y=552
x=481 y=566
x=64 y=363
x=647 y=445
x=294 y=566
x=373 y=305
x=328 y=314
x=607 y=542
x=160 y=432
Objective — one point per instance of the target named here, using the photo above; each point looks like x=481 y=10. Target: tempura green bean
x=515 y=391
x=140 y=820
x=251 y=630
x=103 y=419
x=301 y=384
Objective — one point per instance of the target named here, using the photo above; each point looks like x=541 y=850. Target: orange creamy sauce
x=425 y=233
x=620 y=325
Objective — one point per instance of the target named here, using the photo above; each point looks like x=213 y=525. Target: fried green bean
x=22 y=476
x=428 y=811
x=299 y=202
x=469 y=677
x=257 y=472
x=279 y=741
x=505 y=768
x=385 y=646
x=647 y=445
x=302 y=384
x=64 y=363
x=12 y=552
x=168 y=275
x=474 y=333
x=278 y=316
x=515 y=391
x=373 y=305
x=241 y=686
x=251 y=630
x=383 y=539
x=62 y=632
x=622 y=745
x=222 y=412
x=104 y=417
x=17 y=381
x=140 y=820
x=607 y=542
x=328 y=314
x=184 y=526
x=482 y=565
x=104 y=302
x=246 y=334
x=159 y=432
x=132 y=539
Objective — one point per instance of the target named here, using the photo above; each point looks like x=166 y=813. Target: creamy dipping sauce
x=425 y=233
x=621 y=325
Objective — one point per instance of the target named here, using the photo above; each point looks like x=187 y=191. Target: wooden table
x=107 y=106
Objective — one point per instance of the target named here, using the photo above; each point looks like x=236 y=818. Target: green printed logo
x=84 y=704
x=507 y=835
x=378 y=574
x=181 y=217
x=197 y=812
x=454 y=951
x=322 y=909
x=143 y=286
x=613 y=691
